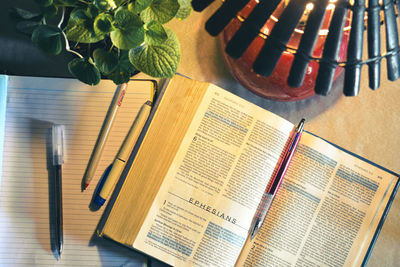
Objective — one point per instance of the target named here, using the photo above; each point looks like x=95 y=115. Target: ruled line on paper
x=33 y=105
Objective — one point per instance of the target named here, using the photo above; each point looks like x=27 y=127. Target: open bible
x=195 y=180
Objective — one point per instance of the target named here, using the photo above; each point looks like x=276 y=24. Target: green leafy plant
x=111 y=38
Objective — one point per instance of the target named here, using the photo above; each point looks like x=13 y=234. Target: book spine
x=119 y=184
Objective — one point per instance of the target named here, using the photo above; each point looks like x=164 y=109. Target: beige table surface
x=368 y=125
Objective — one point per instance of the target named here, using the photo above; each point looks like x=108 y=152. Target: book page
x=207 y=200
x=325 y=212
x=26 y=192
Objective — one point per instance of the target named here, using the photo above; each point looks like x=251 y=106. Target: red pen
x=271 y=191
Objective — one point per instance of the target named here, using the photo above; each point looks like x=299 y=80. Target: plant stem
x=84 y=2
x=67 y=47
x=62 y=18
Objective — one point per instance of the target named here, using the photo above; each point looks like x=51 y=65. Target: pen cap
x=58 y=144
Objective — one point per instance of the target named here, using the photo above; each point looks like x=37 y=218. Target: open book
x=199 y=174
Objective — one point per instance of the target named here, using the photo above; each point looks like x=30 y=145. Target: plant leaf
x=79 y=14
x=124 y=69
x=124 y=19
x=103 y=23
x=129 y=30
x=115 y=3
x=124 y=62
x=48 y=38
x=160 y=10
x=49 y=11
x=23 y=13
x=105 y=61
x=185 y=8
x=157 y=60
x=27 y=26
x=44 y=3
x=155 y=33
x=102 y=5
x=66 y=2
x=139 y=5
x=80 y=28
x=92 y=11
x=84 y=70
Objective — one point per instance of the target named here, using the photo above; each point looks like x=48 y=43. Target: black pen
x=271 y=191
x=58 y=160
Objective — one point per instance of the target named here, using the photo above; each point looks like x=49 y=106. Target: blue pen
x=100 y=186
x=124 y=153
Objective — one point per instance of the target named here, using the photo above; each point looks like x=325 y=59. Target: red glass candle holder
x=275 y=86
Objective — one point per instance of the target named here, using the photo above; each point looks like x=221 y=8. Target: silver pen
x=58 y=160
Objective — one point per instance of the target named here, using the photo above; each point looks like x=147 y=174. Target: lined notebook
x=33 y=105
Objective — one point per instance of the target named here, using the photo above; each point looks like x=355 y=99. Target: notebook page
x=3 y=102
x=26 y=192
